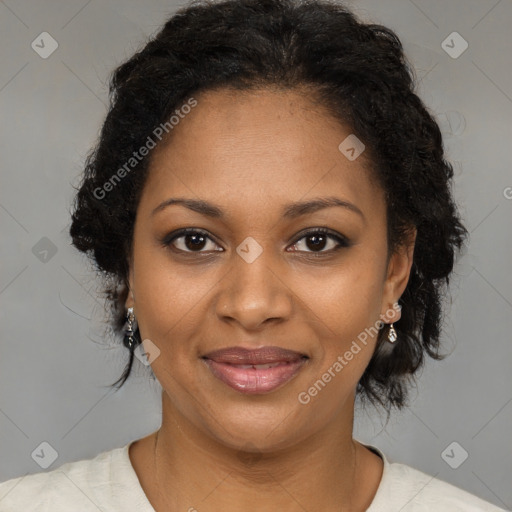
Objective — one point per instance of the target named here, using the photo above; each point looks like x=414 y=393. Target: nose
x=254 y=294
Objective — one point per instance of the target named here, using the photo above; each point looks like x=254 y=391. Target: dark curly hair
x=359 y=73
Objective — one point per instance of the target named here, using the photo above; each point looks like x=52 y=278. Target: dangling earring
x=128 y=340
x=392 y=334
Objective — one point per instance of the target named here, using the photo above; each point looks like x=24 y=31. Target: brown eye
x=188 y=240
x=316 y=241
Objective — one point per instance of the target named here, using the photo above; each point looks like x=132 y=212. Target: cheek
x=347 y=297
x=348 y=307
x=346 y=302
x=168 y=297
x=171 y=302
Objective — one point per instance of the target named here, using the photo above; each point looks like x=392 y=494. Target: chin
x=257 y=430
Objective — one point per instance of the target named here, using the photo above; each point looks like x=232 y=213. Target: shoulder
x=73 y=485
x=408 y=489
x=416 y=491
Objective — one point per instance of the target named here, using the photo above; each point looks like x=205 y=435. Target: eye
x=193 y=240
x=319 y=238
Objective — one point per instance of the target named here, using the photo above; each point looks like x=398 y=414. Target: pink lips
x=254 y=371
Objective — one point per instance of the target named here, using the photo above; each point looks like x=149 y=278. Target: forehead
x=257 y=147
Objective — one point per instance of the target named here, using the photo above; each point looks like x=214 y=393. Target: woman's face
x=254 y=273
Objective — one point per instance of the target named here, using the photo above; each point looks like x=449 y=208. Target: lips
x=264 y=355
x=255 y=371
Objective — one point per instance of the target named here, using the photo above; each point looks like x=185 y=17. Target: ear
x=398 y=272
x=130 y=299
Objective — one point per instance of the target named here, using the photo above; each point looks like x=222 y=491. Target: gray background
x=55 y=364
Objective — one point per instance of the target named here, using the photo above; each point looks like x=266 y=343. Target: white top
x=109 y=483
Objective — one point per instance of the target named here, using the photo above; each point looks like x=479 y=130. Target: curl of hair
x=355 y=70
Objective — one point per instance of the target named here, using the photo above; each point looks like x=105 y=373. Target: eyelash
x=341 y=240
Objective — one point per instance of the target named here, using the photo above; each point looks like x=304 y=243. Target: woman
x=270 y=205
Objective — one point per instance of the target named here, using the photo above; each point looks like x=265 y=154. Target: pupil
x=317 y=237
x=199 y=239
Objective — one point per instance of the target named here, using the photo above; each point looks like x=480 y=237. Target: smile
x=255 y=378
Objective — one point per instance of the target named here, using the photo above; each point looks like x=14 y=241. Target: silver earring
x=129 y=341
x=392 y=334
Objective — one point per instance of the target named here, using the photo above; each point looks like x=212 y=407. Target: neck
x=191 y=471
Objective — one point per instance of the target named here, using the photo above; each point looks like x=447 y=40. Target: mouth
x=257 y=371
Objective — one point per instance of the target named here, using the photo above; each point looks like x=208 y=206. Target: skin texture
x=217 y=449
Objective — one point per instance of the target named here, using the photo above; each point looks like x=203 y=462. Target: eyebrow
x=290 y=211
